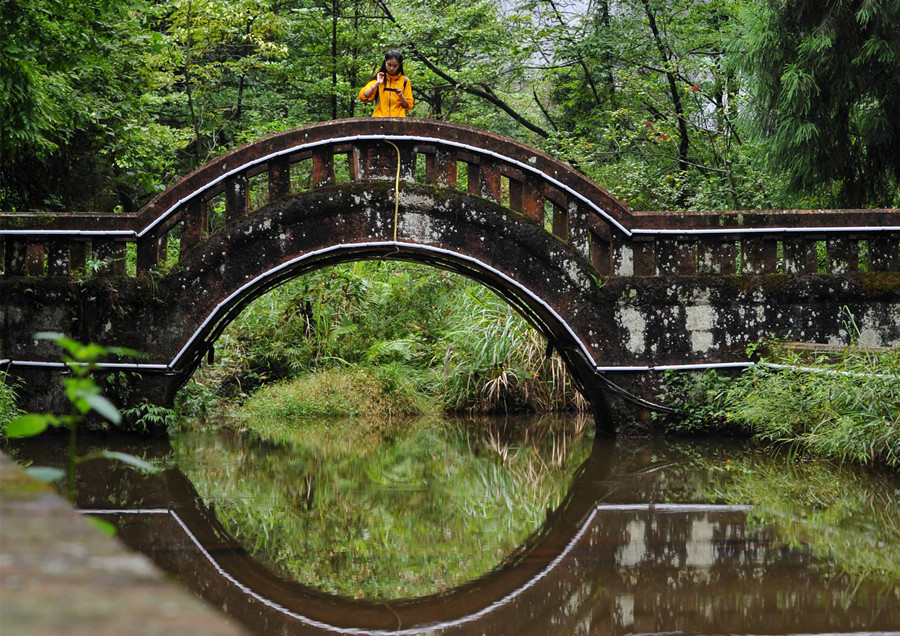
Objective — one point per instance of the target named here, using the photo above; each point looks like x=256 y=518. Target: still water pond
x=520 y=526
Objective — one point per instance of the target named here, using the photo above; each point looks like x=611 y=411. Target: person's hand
x=380 y=77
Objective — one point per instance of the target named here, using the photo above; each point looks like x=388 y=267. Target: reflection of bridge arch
x=594 y=567
x=186 y=538
x=253 y=593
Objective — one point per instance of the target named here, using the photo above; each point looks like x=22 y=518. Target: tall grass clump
x=494 y=361
x=354 y=392
x=847 y=409
x=8 y=408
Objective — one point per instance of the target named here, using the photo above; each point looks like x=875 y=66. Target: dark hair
x=393 y=54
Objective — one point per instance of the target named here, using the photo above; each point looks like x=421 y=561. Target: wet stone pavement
x=60 y=574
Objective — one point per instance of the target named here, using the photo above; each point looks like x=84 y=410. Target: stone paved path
x=60 y=574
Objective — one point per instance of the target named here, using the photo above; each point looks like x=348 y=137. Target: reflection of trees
x=361 y=516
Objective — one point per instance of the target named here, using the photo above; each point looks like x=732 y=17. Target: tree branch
x=487 y=95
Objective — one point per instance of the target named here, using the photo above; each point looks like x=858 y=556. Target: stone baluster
x=716 y=255
x=322 y=166
x=759 y=255
x=578 y=216
x=533 y=199
x=843 y=254
x=601 y=248
x=800 y=256
x=279 y=178
x=147 y=252
x=643 y=255
x=440 y=168
x=195 y=224
x=489 y=180
x=237 y=197
x=473 y=177
x=34 y=258
x=58 y=257
x=883 y=256
x=675 y=256
x=16 y=249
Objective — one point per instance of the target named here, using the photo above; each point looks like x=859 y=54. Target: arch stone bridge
x=621 y=295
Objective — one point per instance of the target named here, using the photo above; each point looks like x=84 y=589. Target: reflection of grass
x=847 y=519
x=392 y=511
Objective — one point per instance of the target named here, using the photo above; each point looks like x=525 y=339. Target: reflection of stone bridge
x=620 y=294
x=594 y=568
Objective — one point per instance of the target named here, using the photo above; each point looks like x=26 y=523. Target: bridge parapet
x=730 y=243
x=534 y=185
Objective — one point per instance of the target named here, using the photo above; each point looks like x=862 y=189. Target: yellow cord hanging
x=396 y=190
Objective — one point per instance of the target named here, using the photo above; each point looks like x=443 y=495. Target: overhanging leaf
x=46 y=474
x=104 y=407
x=131 y=460
x=28 y=425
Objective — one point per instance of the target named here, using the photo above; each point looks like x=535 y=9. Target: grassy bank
x=844 y=407
x=383 y=391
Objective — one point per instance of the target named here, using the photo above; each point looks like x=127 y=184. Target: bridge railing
x=535 y=186
x=758 y=242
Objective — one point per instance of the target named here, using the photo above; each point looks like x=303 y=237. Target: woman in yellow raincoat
x=390 y=88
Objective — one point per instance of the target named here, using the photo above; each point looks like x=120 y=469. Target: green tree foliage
x=76 y=127
x=825 y=78
x=638 y=95
x=103 y=104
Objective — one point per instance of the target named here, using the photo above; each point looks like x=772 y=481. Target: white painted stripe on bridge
x=130 y=511
x=340 y=140
x=668 y=507
x=124 y=366
x=771 y=230
x=674 y=367
x=128 y=233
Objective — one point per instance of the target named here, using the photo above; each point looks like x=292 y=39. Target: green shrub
x=848 y=410
x=699 y=399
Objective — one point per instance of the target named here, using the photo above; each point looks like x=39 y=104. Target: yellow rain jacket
x=387 y=103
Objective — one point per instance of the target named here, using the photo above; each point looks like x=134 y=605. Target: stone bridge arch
x=622 y=295
x=547 y=281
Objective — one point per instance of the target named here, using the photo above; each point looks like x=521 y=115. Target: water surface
x=511 y=527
